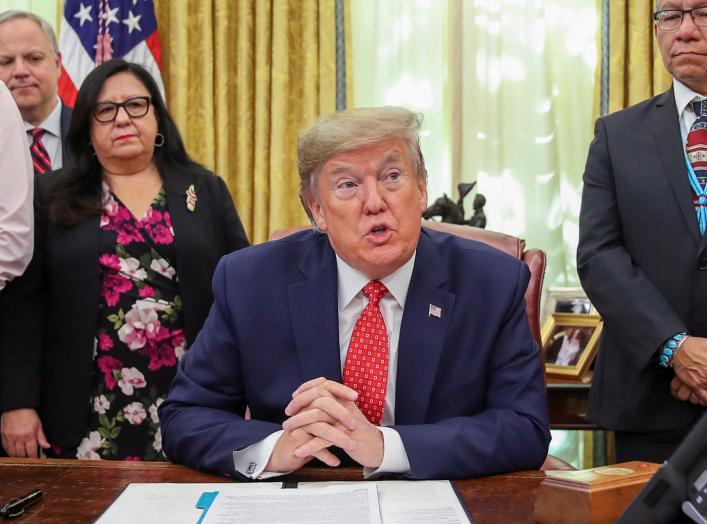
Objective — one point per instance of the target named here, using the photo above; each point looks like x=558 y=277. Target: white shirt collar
x=52 y=124
x=684 y=95
x=351 y=281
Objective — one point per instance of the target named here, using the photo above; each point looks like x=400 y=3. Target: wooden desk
x=80 y=491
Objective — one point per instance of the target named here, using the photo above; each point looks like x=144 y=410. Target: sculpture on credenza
x=453 y=212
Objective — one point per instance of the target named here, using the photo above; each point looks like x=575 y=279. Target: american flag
x=93 y=31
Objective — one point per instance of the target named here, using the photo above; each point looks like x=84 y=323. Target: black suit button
x=702 y=264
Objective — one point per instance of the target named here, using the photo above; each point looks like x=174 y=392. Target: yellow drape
x=636 y=70
x=242 y=78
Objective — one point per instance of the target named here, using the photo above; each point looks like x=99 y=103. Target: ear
x=318 y=214
x=422 y=188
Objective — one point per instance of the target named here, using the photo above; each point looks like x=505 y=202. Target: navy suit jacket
x=66 y=156
x=470 y=394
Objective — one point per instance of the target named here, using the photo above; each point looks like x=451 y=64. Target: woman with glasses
x=127 y=239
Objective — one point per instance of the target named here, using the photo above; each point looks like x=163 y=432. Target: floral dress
x=139 y=337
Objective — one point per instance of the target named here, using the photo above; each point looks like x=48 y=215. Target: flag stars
x=110 y=15
x=84 y=14
x=133 y=22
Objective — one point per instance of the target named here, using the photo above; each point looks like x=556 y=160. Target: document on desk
x=386 y=502
x=413 y=501
x=355 y=503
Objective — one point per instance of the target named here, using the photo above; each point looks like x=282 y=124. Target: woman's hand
x=22 y=432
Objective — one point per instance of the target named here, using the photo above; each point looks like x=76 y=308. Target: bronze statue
x=453 y=213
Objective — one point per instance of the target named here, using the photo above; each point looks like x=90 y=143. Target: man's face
x=684 y=50
x=29 y=68
x=369 y=201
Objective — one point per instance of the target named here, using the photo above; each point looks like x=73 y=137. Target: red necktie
x=40 y=156
x=366 y=366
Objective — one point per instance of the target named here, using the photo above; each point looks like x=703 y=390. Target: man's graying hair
x=41 y=22
x=354 y=129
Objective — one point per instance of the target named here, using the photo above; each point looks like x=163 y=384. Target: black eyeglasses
x=135 y=107
x=671 y=19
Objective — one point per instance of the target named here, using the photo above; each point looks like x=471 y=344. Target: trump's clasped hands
x=324 y=413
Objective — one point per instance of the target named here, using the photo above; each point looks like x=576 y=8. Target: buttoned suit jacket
x=470 y=395
x=48 y=317
x=642 y=262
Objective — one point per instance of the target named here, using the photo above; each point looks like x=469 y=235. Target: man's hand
x=681 y=392
x=283 y=458
x=22 y=432
x=320 y=406
x=690 y=366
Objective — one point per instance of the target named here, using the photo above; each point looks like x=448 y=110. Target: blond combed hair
x=353 y=129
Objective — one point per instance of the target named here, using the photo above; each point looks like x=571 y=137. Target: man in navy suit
x=642 y=254
x=30 y=66
x=453 y=383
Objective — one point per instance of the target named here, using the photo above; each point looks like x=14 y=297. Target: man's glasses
x=135 y=107
x=671 y=19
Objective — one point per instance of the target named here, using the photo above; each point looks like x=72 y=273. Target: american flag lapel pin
x=434 y=311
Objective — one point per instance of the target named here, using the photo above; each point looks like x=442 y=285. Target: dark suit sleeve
x=233 y=232
x=618 y=288
x=22 y=324
x=202 y=419
x=511 y=433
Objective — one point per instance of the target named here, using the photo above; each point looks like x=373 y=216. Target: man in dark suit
x=30 y=66
x=642 y=254
x=371 y=339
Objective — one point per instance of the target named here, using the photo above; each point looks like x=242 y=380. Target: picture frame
x=570 y=342
x=566 y=300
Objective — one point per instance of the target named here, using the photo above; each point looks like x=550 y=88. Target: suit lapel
x=666 y=132
x=314 y=313
x=422 y=334
x=65 y=121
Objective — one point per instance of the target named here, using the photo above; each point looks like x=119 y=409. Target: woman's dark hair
x=76 y=195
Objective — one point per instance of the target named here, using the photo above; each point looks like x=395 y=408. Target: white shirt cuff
x=251 y=461
x=395 y=458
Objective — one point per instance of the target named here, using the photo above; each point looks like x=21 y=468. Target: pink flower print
x=157 y=443
x=161 y=355
x=179 y=342
x=153 y=410
x=140 y=323
x=108 y=365
x=131 y=379
x=133 y=458
x=135 y=413
x=160 y=234
x=101 y=404
x=105 y=342
x=146 y=292
x=128 y=233
x=89 y=445
x=110 y=207
x=131 y=267
x=161 y=266
x=110 y=261
x=113 y=286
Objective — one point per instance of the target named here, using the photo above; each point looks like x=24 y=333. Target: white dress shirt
x=251 y=461
x=16 y=192
x=52 y=138
x=683 y=98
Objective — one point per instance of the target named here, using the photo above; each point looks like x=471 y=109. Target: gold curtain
x=242 y=78
x=636 y=70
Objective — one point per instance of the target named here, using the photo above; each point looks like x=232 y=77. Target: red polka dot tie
x=366 y=366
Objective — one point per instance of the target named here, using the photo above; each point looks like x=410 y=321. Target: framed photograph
x=566 y=300
x=570 y=342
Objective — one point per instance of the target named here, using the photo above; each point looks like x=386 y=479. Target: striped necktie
x=696 y=161
x=40 y=156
